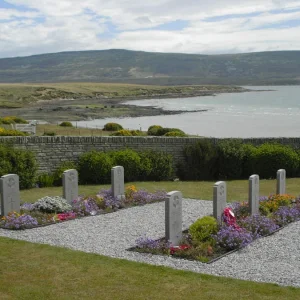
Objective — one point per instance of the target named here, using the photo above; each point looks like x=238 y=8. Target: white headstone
x=253 y=199
x=281 y=176
x=70 y=185
x=10 y=194
x=117 y=182
x=219 y=199
x=173 y=217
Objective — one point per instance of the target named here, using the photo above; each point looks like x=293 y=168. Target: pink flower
x=174 y=249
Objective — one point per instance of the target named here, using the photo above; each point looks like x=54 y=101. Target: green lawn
x=237 y=190
x=33 y=271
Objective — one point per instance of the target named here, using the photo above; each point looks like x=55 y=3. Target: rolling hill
x=261 y=68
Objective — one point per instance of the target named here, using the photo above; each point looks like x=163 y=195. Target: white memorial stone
x=173 y=217
x=70 y=185
x=117 y=182
x=281 y=176
x=253 y=199
x=10 y=194
x=219 y=199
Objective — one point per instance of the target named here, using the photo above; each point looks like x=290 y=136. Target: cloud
x=35 y=26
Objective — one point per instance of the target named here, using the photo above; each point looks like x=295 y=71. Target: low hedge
x=232 y=159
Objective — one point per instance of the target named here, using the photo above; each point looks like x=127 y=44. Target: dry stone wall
x=52 y=151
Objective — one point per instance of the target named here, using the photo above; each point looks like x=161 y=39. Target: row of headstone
x=220 y=193
x=10 y=192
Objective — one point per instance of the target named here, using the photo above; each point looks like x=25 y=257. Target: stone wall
x=52 y=151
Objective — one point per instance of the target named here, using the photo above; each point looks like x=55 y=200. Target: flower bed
x=208 y=239
x=50 y=210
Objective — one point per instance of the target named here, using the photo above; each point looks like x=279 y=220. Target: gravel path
x=273 y=259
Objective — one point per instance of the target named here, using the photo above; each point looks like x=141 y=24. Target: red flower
x=174 y=249
x=229 y=218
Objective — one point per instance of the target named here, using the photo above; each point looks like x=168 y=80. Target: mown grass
x=33 y=271
x=237 y=190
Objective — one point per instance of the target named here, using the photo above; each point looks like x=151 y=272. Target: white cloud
x=48 y=26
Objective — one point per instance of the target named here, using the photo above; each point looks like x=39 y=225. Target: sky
x=29 y=27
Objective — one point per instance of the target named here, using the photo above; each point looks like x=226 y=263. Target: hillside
x=282 y=67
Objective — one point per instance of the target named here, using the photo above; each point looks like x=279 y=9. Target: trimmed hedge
x=95 y=167
x=112 y=127
x=231 y=159
x=20 y=162
x=66 y=124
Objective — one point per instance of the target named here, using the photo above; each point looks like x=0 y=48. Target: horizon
x=204 y=54
x=31 y=27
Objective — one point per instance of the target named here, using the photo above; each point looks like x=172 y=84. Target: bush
x=156 y=165
x=131 y=162
x=45 y=180
x=13 y=120
x=136 y=133
x=57 y=175
x=200 y=161
x=66 y=124
x=112 y=127
x=95 y=168
x=271 y=157
x=202 y=230
x=152 y=130
x=49 y=133
x=230 y=159
x=164 y=130
x=21 y=162
x=123 y=132
x=175 y=133
x=11 y=132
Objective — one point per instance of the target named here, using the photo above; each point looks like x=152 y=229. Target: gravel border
x=273 y=259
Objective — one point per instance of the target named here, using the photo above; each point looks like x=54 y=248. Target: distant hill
x=279 y=67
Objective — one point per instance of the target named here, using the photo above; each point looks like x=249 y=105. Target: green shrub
x=123 y=132
x=66 y=124
x=20 y=162
x=203 y=228
x=158 y=165
x=164 y=130
x=175 y=133
x=45 y=180
x=230 y=159
x=131 y=162
x=95 y=168
x=249 y=152
x=11 y=132
x=136 y=133
x=270 y=157
x=152 y=130
x=57 y=175
x=112 y=127
x=19 y=120
x=49 y=133
x=200 y=161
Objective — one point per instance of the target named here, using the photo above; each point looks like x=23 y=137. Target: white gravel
x=274 y=259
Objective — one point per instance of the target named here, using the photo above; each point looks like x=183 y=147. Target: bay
x=272 y=113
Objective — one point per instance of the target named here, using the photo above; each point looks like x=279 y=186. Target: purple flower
x=285 y=215
x=27 y=206
x=84 y=206
x=16 y=221
x=109 y=200
x=258 y=225
x=230 y=238
x=145 y=242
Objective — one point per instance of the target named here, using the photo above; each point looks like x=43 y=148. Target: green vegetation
x=112 y=127
x=21 y=162
x=232 y=159
x=66 y=124
x=281 y=67
x=23 y=277
x=12 y=120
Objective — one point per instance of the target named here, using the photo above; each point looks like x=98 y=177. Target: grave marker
x=10 y=194
x=219 y=199
x=253 y=199
x=70 y=185
x=281 y=176
x=117 y=182
x=173 y=217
